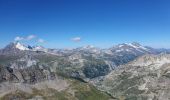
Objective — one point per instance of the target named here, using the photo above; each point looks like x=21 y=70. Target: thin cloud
x=76 y=39
x=18 y=38
x=30 y=37
x=41 y=41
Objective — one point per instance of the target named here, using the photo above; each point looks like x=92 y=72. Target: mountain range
x=127 y=71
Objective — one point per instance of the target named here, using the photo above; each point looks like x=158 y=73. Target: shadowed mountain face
x=31 y=65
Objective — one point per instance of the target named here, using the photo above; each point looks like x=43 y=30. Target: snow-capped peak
x=130 y=48
x=137 y=46
x=21 y=46
x=39 y=48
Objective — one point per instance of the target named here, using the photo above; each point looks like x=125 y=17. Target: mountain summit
x=19 y=47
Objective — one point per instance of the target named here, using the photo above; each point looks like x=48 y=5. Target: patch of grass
x=85 y=91
x=82 y=91
x=127 y=86
x=17 y=95
x=126 y=83
x=48 y=94
x=136 y=97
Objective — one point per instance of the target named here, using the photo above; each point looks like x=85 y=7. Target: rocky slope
x=146 y=78
x=34 y=75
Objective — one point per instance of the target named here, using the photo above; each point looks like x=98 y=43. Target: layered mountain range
x=125 y=71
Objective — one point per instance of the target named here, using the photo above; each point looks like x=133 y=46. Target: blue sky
x=74 y=23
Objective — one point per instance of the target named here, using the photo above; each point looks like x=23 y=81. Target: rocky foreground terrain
x=146 y=78
x=126 y=71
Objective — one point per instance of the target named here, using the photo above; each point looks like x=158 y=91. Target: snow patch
x=21 y=47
